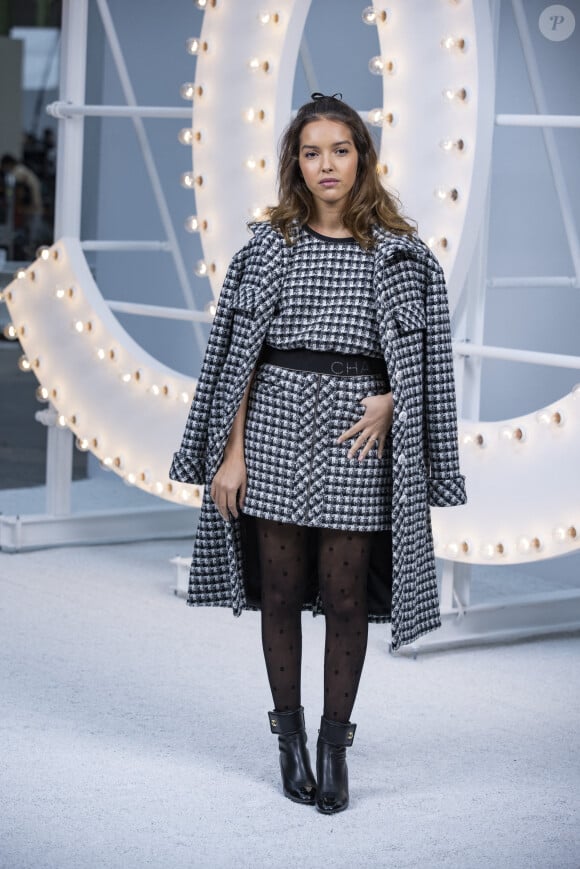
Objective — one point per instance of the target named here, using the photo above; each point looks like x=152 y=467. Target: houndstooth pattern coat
x=413 y=316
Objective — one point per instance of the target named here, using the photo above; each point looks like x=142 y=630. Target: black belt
x=324 y=361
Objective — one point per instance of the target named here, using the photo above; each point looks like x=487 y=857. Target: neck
x=329 y=222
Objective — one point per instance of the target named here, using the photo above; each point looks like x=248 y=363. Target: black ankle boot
x=331 y=769
x=297 y=777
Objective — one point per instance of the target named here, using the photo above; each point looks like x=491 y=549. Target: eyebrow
x=334 y=144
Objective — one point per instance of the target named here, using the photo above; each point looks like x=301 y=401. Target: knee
x=281 y=602
x=342 y=604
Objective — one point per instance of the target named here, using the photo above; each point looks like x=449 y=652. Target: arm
x=231 y=478
x=188 y=464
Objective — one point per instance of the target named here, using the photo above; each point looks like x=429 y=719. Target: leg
x=343 y=559
x=283 y=562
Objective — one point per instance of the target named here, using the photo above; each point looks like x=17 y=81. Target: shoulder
x=391 y=248
x=267 y=244
x=264 y=234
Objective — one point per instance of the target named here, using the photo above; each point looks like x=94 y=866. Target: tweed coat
x=414 y=329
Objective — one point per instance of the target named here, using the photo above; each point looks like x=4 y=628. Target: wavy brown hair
x=368 y=202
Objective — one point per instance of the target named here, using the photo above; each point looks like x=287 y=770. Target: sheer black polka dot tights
x=343 y=558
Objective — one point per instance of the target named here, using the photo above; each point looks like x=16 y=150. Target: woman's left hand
x=373 y=426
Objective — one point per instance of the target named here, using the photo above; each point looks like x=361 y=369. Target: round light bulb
x=370 y=15
x=524 y=544
x=257 y=65
x=252 y=115
x=515 y=435
x=379 y=66
x=452 y=144
x=446 y=195
x=185 y=136
x=453 y=42
x=257 y=211
x=24 y=363
x=195 y=45
x=189 y=180
x=10 y=332
x=195 y=224
x=42 y=393
x=459 y=96
x=488 y=550
x=187 y=90
x=440 y=243
x=266 y=17
x=82 y=444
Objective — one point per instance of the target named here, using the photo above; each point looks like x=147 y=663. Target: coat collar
x=388 y=244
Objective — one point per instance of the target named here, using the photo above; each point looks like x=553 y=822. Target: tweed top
x=326 y=301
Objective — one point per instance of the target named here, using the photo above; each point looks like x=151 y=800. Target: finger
x=359 y=442
x=366 y=449
x=242 y=495
x=381 y=446
x=232 y=506
x=349 y=433
x=352 y=431
x=222 y=509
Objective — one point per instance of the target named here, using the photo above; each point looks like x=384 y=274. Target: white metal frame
x=529 y=615
x=58 y=526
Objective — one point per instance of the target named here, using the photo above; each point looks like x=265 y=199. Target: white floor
x=134 y=733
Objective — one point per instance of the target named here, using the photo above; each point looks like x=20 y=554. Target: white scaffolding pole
x=562 y=190
x=150 y=166
x=469 y=319
x=67 y=218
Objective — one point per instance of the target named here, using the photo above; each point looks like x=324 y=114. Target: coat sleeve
x=188 y=464
x=446 y=485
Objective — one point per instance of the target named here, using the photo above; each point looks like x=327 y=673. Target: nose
x=327 y=162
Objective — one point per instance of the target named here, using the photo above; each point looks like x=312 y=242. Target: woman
x=324 y=425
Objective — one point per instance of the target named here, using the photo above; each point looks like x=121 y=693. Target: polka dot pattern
x=343 y=560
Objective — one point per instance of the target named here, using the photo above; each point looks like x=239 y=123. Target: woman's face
x=328 y=161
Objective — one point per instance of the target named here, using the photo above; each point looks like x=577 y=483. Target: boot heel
x=298 y=782
x=332 y=772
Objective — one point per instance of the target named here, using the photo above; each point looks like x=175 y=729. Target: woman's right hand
x=229 y=480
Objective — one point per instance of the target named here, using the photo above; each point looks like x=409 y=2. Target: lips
x=329 y=182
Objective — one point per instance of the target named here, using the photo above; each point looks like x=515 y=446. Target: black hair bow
x=319 y=96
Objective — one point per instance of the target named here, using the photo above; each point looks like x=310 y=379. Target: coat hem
x=396 y=645
x=372 y=618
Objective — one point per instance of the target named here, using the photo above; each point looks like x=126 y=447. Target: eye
x=309 y=154
x=342 y=151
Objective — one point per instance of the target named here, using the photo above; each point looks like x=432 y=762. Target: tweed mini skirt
x=296 y=472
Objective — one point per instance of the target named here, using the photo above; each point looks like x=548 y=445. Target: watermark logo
x=557 y=22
